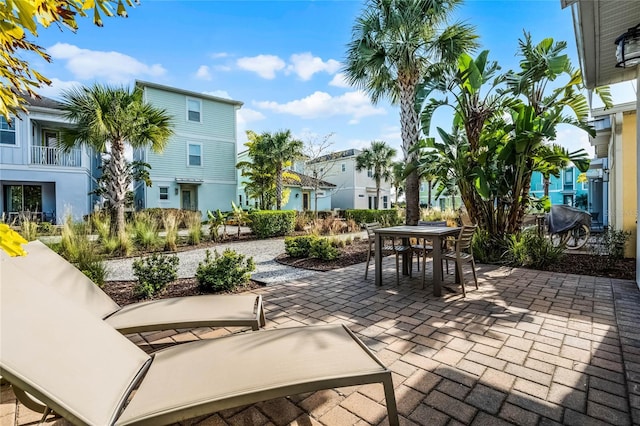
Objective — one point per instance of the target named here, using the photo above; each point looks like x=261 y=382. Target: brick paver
x=527 y=348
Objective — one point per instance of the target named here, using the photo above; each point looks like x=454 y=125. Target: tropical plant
x=501 y=132
x=281 y=150
x=260 y=184
x=20 y=18
x=107 y=119
x=239 y=216
x=215 y=220
x=193 y=221
x=378 y=158
x=397 y=178
x=396 y=44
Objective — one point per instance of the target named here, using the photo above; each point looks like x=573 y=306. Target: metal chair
x=462 y=254
x=386 y=247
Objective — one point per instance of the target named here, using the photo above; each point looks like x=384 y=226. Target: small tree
x=313 y=150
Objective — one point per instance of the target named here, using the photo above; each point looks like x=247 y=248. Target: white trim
x=188 y=99
x=201 y=154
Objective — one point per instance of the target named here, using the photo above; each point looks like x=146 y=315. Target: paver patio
x=528 y=348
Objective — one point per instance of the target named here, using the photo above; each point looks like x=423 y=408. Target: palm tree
x=108 y=119
x=378 y=158
x=394 y=45
x=397 y=178
x=281 y=150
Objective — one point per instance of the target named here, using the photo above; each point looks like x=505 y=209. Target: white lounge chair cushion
x=246 y=368
x=58 y=352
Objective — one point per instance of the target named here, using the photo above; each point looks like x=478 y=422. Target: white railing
x=51 y=156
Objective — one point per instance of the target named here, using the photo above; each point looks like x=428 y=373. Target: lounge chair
x=88 y=373
x=178 y=312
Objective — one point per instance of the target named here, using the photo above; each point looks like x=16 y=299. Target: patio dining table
x=434 y=233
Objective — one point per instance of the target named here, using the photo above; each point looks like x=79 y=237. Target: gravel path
x=263 y=251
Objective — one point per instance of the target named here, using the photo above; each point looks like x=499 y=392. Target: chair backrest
x=53 y=270
x=73 y=362
x=370 y=227
x=465 y=237
x=432 y=223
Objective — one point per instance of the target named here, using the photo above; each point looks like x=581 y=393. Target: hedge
x=272 y=223
x=385 y=217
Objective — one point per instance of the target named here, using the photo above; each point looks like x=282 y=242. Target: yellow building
x=608 y=41
x=616 y=144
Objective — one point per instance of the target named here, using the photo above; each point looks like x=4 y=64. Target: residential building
x=564 y=189
x=37 y=176
x=443 y=202
x=300 y=189
x=604 y=31
x=616 y=146
x=354 y=189
x=196 y=170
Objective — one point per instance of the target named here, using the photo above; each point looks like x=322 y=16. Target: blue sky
x=281 y=58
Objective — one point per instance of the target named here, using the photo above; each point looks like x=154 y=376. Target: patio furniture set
x=46 y=305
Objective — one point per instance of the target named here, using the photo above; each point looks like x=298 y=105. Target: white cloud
x=244 y=117
x=115 y=67
x=263 y=65
x=321 y=104
x=219 y=94
x=305 y=65
x=218 y=55
x=573 y=139
x=56 y=88
x=203 y=73
x=339 y=80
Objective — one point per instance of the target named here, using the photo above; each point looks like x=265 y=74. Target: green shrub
x=299 y=246
x=385 y=217
x=46 y=228
x=224 y=272
x=614 y=241
x=94 y=268
x=486 y=248
x=154 y=273
x=531 y=249
x=272 y=223
x=323 y=249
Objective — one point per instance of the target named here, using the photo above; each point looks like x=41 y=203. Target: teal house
x=196 y=171
x=562 y=190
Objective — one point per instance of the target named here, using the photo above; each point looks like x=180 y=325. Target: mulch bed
x=582 y=264
x=123 y=294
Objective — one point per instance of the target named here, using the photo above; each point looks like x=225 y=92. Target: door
x=305 y=201
x=188 y=198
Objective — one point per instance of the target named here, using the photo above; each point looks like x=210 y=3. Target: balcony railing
x=52 y=156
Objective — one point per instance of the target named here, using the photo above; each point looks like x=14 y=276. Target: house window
x=385 y=202
x=369 y=173
x=240 y=200
x=195 y=154
x=343 y=167
x=568 y=179
x=164 y=192
x=7 y=132
x=194 y=109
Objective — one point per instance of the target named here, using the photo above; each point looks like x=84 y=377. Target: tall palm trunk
x=377 y=203
x=118 y=184
x=409 y=130
x=278 y=187
x=429 y=183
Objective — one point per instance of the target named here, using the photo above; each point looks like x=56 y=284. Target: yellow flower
x=11 y=241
